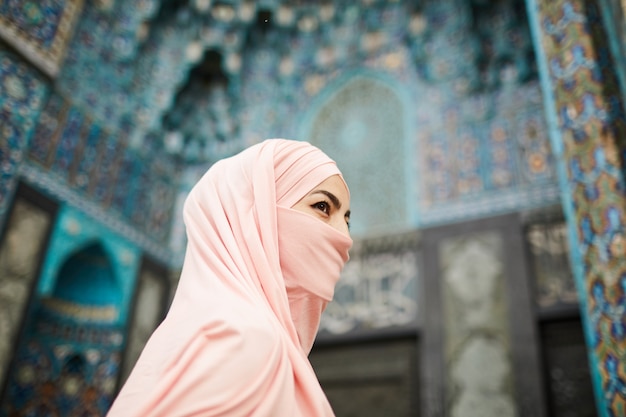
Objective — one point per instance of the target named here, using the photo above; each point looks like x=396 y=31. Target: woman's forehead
x=337 y=186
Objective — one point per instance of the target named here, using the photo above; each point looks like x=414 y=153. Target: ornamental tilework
x=499 y=156
x=124 y=83
x=69 y=360
x=47 y=131
x=128 y=59
x=105 y=171
x=471 y=139
x=127 y=187
x=80 y=154
x=85 y=166
x=161 y=199
x=475 y=150
x=67 y=145
x=442 y=117
x=65 y=368
x=468 y=178
x=41 y=30
x=119 y=72
x=23 y=92
x=591 y=125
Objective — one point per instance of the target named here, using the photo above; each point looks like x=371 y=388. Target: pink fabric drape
x=255 y=279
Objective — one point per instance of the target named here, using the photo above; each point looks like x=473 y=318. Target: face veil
x=311 y=258
x=250 y=294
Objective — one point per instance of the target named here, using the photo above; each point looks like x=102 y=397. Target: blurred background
x=483 y=141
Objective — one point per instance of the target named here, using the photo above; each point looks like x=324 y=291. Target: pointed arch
x=87 y=277
x=361 y=121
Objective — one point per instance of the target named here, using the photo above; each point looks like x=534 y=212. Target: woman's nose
x=340 y=224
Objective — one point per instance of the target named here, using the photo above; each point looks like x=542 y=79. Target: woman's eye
x=322 y=206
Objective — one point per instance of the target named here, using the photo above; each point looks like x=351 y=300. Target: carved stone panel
x=378 y=287
x=479 y=380
x=549 y=249
x=480 y=347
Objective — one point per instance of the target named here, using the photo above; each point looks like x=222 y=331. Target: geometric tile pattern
x=23 y=93
x=64 y=368
x=40 y=30
x=99 y=165
x=477 y=146
x=473 y=144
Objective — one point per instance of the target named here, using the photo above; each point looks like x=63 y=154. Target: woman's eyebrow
x=330 y=196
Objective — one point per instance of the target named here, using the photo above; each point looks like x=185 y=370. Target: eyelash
x=327 y=210
x=324 y=203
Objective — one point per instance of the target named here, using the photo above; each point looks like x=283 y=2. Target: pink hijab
x=255 y=280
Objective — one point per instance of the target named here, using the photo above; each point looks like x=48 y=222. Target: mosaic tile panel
x=124 y=191
x=488 y=160
x=535 y=160
x=75 y=231
x=109 y=219
x=43 y=144
x=79 y=337
x=68 y=144
x=476 y=152
x=161 y=199
x=64 y=368
x=378 y=287
x=590 y=133
x=77 y=152
x=104 y=175
x=286 y=73
x=40 y=30
x=468 y=175
x=22 y=92
x=125 y=62
x=89 y=153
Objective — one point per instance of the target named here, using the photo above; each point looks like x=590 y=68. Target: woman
x=267 y=237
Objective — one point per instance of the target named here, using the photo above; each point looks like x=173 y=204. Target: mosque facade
x=483 y=142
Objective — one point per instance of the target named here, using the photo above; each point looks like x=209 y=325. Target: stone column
x=585 y=113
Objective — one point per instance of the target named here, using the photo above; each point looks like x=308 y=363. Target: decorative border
x=488 y=205
x=48 y=182
x=47 y=59
x=587 y=130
